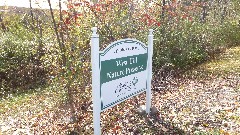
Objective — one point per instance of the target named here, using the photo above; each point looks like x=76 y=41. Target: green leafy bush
x=230 y=33
x=18 y=57
x=179 y=37
x=182 y=46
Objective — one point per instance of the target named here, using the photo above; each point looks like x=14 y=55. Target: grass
x=213 y=132
x=227 y=63
x=33 y=101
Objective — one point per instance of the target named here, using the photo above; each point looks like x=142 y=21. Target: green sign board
x=120 y=71
x=117 y=68
x=123 y=71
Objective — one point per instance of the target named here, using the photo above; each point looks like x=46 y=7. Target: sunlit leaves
x=196 y=103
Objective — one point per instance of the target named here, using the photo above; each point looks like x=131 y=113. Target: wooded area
x=48 y=50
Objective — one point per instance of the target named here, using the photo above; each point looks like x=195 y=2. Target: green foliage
x=179 y=37
x=30 y=53
x=182 y=46
x=230 y=33
x=13 y=51
x=119 y=20
x=114 y=20
x=20 y=66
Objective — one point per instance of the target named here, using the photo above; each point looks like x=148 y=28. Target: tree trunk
x=163 y=9
x=31 y=13
x=61 y=45
x=223 y=14
x=204 y=11
x=68 y=86
x=2 y=24
x=61 y=22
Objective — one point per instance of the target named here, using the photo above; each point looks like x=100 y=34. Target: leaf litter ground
x=205 y=100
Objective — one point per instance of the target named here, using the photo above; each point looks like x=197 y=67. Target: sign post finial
x=94 y=29
x=150 y=31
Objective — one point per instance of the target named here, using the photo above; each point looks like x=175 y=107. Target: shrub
x=19 y=66
x=230 y=33
x=182 y=46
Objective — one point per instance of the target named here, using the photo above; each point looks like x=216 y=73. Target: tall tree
x=204 y=11
x=224 y=10
x=31 y=12
x=163 y=9
x=61 y=45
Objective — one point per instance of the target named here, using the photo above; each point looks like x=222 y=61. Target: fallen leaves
x=195 y=102
x=164 y=129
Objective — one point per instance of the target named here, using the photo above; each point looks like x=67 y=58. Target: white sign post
x=122 y=70
x=95 y=81
x=149 y=75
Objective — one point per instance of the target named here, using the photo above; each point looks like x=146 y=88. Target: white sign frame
x=97 y=58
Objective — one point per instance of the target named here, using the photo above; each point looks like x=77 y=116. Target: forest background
x=50 y=48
